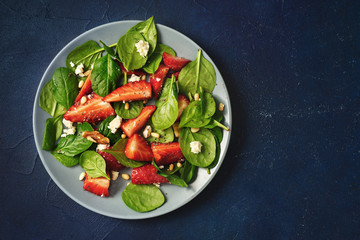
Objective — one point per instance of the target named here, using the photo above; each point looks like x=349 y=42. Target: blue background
x=292 y=71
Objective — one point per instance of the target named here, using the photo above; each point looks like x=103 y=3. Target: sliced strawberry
x=98 y=186
x=134 y=125
x=137 y=72
x=86 y=88
x=146 y=175
x=157 y=80
x=166 y=153
x=138 y=149
x=93 y=110
x=131 y=91
x=183 y=102
x=173 y=62
x=112 y=164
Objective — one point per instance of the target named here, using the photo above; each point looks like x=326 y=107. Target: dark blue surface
x=292 y=170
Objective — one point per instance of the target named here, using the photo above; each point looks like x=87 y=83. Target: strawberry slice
x=157 y=80
x=173 y=62
x=131 y=91
x=86 y=88
x=93 y=110
x=137 y=149
x=183 y=102
x=146 y=175
x=134 y=125
x=98 y=186
x=137 y=72
x=166 y=153
x=112 y=164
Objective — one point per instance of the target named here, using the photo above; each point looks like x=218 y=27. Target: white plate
x=67 y=178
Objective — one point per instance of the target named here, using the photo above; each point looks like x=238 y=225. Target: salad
x=133 y=104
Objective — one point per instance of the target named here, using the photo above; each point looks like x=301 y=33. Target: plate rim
x=146 y=215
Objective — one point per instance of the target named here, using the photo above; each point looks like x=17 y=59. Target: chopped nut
x=87 y=73
x=123 y=135
x=179 y=165
x=143 y=77
x=82 y=176
x=147 y=131
x=171 y=167
x=221 y=107
x=161 y=166
x=125 y=176
x=176 y=129
x=127 y=106
x=83 y=100
x=81 y=84
x=196 y=97
x=194 y=130
x=145 y=101
x=114 y=175
x=96 y=137
x=155 y=135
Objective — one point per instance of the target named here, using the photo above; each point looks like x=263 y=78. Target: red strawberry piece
x=183 y=102
x=166 y=153
x=157 y=80
x=137 y=72
x=93 y=110
x=134 y=125
x=173 y=62
x=86 y=88
x=98 y=186
x=112 y=164
x=138 y=149
x=131 y=91
x=146 y=175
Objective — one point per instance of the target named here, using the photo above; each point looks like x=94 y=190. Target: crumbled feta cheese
x=195 y=147
x=115 y=124
x=142 y=47
x=69 y=131
x=134 y=78
x=100 y=147
x=72 y=64
x=114 y=175
x=158 y=79
x=67 y=124
x=79 y=69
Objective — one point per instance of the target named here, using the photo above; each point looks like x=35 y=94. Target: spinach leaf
x=133 y=111
x=93 y=164
x=128 y=52
x=166 y=106
x=64 y=87
x=196 y=74
x=73 y=145
x=218 y=116
x=218 y=133
x=154 y=60
x=188 y=172
x=109 y=51
x=142 y=198
x=53 y=129
x=104 y=130
x=105 y=76
x=166 y=135
x=118 y=152
x=217 y=155
x=87 y=54
x=173 y=178
x=208 y=150
x=48 y=102
x=148 y=30
x=66 y=160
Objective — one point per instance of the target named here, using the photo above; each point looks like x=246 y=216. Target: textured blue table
x=292 y=170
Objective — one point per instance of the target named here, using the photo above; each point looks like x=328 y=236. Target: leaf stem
x=220 y=125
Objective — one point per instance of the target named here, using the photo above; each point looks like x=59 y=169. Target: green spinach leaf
x=93 y=164
x=64 y=87
x=196 y=74
x=118 y=152
x=48 y=102
x=105 y=76
x=208 y=150
x=148 y=30
x=188 y=172
x=67 y=161
x=133 y=111
x=166 y=135
x=166 y=106
x=142 y=198
x=218 y=133
x=104 y=130
x=154 y=60
x=170 y=175
x=53 y=129
x=217 y=155
x=109 y=50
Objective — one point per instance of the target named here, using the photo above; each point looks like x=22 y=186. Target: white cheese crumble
x=158 y=79
x=79 y=69
x=67 y=124
x=115 y=124
x=142 y=47
x=72 y=64
x=134 y=78
x=100 y=147
x=195 y=147
x=69 y=131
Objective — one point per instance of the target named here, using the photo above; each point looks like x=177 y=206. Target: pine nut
x=82 y=176
x=87 y=73
x=176 y=129
x=125 y=176
x=196 y=97
x=145 y=102
x=195 y=130
x=83 y=100
x=127 y=106
x=221 y=107
x=179 y=165
x=155 y=135
x=147 y=131
x=123 y=136
x=143 y=77
x=114 y=175
x=81 y=84
x=171 y=167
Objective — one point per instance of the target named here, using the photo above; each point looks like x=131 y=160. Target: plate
x=67 y=178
